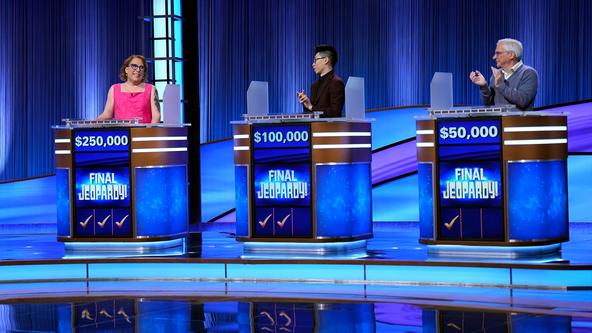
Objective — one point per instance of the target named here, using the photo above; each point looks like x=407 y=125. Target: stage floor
x=392 y=242
x=394 y=268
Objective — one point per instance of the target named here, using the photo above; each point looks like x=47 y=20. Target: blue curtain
x=57 y=60
x=395 y=45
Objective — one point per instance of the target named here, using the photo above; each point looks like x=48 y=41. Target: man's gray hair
x=512 y=45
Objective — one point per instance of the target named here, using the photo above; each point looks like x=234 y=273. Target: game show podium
x=302 y=179
x=121 y=183
x=493 y=177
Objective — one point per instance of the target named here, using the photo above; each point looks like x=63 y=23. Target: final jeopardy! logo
x=470 y=184
x=282 y=184
x=103 y=186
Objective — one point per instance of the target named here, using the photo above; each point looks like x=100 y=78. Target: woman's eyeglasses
x=137 y=68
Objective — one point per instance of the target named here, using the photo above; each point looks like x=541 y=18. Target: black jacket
x=328 y=94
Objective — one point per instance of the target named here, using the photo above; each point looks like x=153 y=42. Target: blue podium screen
x=468 y=132
x=289 y=136
x=101 y=140
x=470 y=179
x=102 y=183
x=281 y=181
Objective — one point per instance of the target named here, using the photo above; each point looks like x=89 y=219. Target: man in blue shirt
x=512 y=82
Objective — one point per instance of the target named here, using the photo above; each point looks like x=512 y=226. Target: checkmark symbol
x=120 y=223
x=264 y=222
x=85 y=223
x=86 y=315
x=122 y=313
x=102 y=223
x=288 y=319
x=283 y=221
x=266 y=314
x=451 y=223
x=453 y=326
x=105 y=313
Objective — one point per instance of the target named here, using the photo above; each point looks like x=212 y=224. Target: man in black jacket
x=327 y=94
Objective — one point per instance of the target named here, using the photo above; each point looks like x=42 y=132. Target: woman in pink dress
x=134 y=98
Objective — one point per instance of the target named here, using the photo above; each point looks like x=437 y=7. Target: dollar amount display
x=290 y=136
x=90 y=140
x=280 y=137
x=469 y=132
x=99 y=141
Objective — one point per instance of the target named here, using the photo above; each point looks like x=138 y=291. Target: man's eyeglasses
x=319 y=58
x=499 y=52
x=137 y=68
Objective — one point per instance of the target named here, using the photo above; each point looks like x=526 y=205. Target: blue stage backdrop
x=395 y=45
x=57 y=60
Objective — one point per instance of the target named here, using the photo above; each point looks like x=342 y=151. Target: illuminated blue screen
x=289 y=136
x=281 y=181
x=161 y=204
x=285 y=185
x=282 y=200
x=537 y=200
x=343 y=200
x=242 y=202
x=101 y=140
x=102 y=189
x=426 y=200
x=63 y=201
x=470 y=187
x=282 y=222
x=470 y=184
x=102 y=199
x=292 y=155
x=115 y=158
x=463 y=132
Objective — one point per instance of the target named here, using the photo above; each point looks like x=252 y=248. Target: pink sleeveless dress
x=129 y=105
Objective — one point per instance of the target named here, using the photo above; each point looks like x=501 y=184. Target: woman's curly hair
x=126 y=62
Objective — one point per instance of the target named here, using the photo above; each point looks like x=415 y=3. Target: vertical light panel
x=168 y=51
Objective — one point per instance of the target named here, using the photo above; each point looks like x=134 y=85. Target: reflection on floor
x=179 y=314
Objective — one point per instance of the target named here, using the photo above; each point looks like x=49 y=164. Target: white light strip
x=534 y=142
x=61 y=140
x=535 y=129
x=62 y=152
x=241 y=148
x=424 y=132
x=241 y=136
x=158 y=150
x=345 y=145
x=424 y=144
x=340 y=134
x=159 y=138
